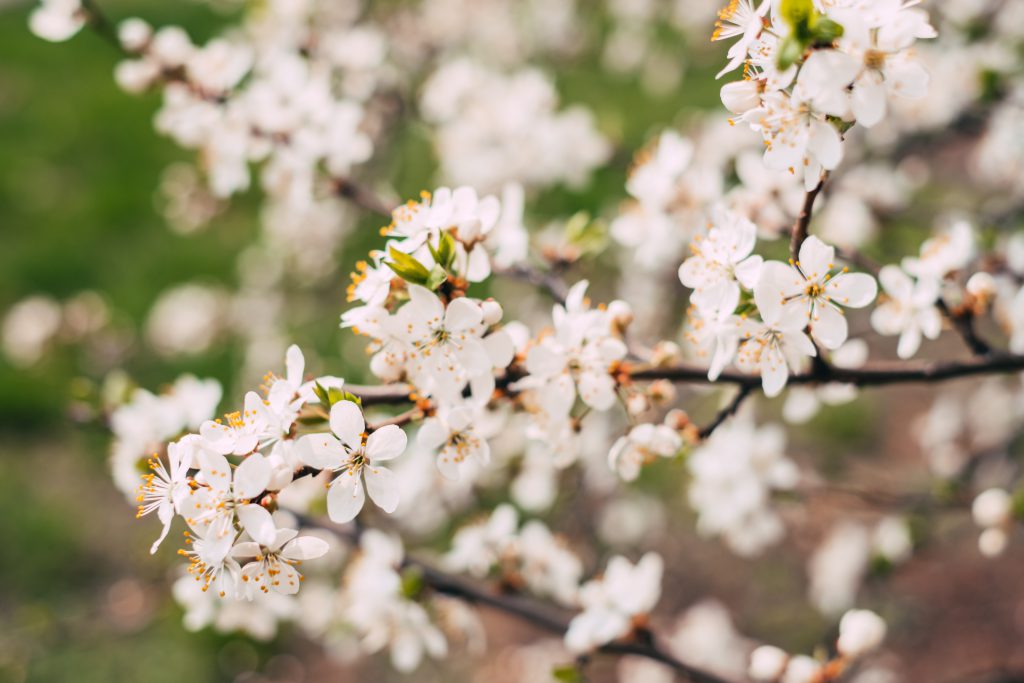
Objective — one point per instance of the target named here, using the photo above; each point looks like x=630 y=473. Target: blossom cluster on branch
x=488 y=412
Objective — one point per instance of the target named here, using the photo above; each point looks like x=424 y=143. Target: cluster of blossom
x=734 y=474
x=530 y=555
x=860 y=632
x=38 y=322
x=851 y=549
x=494 y=129
x=146 y=422
x=809 y=293
x=993 y=511
x=809 y=74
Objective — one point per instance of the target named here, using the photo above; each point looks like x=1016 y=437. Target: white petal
x=386 y=443
x=305 y=548
x=382 y=486
x=320 y=451
x=816 y=258
x=774 y=371
x=829 y=326
x=432 y=434
x=258 y=523
x=345 y=498
x=216 y=470
x=462 y=314
x=854 y=290
x=348 y=424
x=252 y=477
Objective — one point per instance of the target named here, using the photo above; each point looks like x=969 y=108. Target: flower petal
x=348 y=424
x=854 y=290
x=382 y=487
x=386 y=443
x=345 y=498
x=258 y=523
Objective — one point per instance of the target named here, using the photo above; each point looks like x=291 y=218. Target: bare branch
x=363 y=197
x=803 y=221
x=727 y=411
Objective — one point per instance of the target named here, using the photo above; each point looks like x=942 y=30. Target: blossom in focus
x=355 y=457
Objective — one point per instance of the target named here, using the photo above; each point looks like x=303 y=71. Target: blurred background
x=102 y=219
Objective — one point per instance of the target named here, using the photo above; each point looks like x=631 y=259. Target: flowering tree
x=326 y=502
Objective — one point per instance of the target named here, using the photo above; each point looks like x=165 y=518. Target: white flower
x=642 y=445
x=244 y=432
x=276 y=552
x=476 y=548
x=448 y=347
x=57 y=20
x=164 y=489
x=454 y=434
x=775 y=345
x=796 y=138
x=908 y=310
x=722 y=262
x=355 y=457
x=610 y=603
x=860 y=631
x=992 y=508
x=740 y=18
x=734 y=473
x=583 y=348
x=812 y=289
x=951 y=250
x=883 y=64
x=767 y=663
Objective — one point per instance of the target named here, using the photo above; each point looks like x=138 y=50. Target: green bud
x=437 y=277
x=826 y=31
x=790 y=52
x=407 y=268
x=567 y=674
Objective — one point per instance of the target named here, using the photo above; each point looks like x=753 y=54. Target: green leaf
x=446 y=251
x=567 y=674
x=322 y=394
x=826 y=31
x=412 y=582
x=799 y=14
x=407 y=267
x=438 y=276
x=790 y=52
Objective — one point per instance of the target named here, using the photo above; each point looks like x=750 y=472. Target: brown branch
x=531 y=610
x=547 y=280
x=875 y=374
x=97 y=20
x=727 y=411
x=803 y=221
x=363 y=197
x=963 y=324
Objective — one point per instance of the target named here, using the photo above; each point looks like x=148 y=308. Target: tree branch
x=963 y=325
x=803 y=220
x=727 y=411
x=531 y=610
x=362 y=197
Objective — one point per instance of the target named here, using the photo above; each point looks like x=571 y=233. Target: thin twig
x=727 y=411
x=547 y=280
x=803 y=221
x=363 y=197
x=963 y=325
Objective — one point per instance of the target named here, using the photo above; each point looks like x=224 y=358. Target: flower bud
x=992 y=542
x=171 y=46
x=492 y=312
x=135 y=75
x=802 y=669
x=767 y=663
x=860 y=631
x=666 y=353
x=992 y=508
x=741 y=96
x=134 y=34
